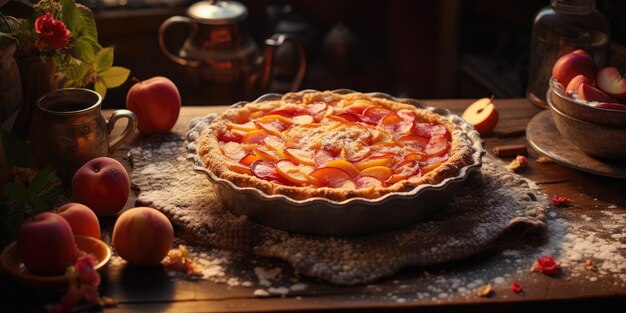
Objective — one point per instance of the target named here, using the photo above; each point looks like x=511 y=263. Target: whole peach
x=577 y=62
x=156 y=102
x=143 y=236
x=45 y=244
x=81 y=218
x=103 y=185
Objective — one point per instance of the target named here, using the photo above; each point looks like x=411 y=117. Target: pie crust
x=328 y=131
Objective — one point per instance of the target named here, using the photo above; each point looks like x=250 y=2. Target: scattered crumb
x=261 y=293
x=544 y=159
x=520 y=162
x=485 y=291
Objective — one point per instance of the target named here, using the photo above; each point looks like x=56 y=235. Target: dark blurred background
x=418 y=49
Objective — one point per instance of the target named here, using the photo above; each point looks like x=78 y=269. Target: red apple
x=81 y=218
x=590 y=93
x=611 y=81
x=156 y=102
x=103 y=185
x=46 y=244
x=572 y=87
x=575 y=63
x=482 y=114
x=143 y=236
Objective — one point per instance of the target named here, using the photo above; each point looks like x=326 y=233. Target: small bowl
x=11 y=263
x=579 y=109
x=601 y=141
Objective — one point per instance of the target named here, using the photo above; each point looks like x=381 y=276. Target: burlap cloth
x=494 y=209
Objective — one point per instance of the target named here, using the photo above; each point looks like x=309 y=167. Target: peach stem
x=486 y=105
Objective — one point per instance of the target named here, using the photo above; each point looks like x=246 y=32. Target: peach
x=611 y=81
x=577 y=62
x=156 y=102
x=483 y=114
x=589 y=93
x=45 y=244
x=572 y=87
x=143 y=236
x=81 y=218
x=103 y=185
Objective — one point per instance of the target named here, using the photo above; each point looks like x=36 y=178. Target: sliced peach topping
x=432 y=163
x=254 y=137
x=266 y=154
x=368 y=182
x=239 y=168
x=291 y=172
x=302 y=119
x=300 y=156
x=379 y=160
x=381 y=172
x=274 y=124
x=322 y=156
x=317 y=108
x=355 y=151
x=347 y=116
x=233 y=151
x=333 y=177
x=404 y=170
x=428 y=130
x=249 y=158
x=375 y=114
x=437 y=146
x=272 y=141
x=344 y=165
x=248 y=126
x=264 y=169
x=414 y=141
x=418 y=156
x=396 y=124
x=230 y=136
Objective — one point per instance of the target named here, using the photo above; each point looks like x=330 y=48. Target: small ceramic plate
x=11 y=263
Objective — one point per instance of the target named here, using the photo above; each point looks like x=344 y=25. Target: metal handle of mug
x=128 y=131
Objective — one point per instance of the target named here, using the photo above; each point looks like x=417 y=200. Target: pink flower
x=52 y=33
x=546 y=265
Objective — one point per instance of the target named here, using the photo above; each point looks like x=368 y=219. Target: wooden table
x=150 y=290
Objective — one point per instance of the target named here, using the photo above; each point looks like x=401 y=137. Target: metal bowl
x=581 y=110
x=355 y=216
x=601 y=141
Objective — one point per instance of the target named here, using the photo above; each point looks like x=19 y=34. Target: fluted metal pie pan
x=354 y=216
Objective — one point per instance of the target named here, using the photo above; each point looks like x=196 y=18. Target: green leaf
x=103 y=60
x=17 y=152
x=114 y=77
x=17 y=192
x=71 y=17
x=85 y=49
x=89 y=24
x=100 y=88
x=41 y=179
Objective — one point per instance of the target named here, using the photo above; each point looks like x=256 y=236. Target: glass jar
x=561 y=27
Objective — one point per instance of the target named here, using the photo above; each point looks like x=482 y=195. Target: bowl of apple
x=588 y=105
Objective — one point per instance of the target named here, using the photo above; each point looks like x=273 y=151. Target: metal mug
x=73 y=131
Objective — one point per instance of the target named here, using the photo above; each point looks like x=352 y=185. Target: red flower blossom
x=517 y=288
x=546 y=265
x=560 y=200
x=52 y=33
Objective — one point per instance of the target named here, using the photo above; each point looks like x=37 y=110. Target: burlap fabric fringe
x=495 y=208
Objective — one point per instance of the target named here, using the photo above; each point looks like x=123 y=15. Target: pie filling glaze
x=335 y=146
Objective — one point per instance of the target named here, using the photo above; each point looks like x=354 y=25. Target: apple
x=45 y=244
x=156 y=102
x=81 y=218
x=572 y=87
x=103 y=185
x=577 y=62
x=590 y=93
x=611 y=81
x=143 y=236
x=483 y=114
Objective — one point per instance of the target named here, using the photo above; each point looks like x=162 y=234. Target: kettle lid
x=217 y=12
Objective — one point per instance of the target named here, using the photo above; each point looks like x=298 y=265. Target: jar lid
x=217 y=12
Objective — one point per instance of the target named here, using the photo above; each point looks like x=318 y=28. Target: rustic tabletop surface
x=446 y=288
